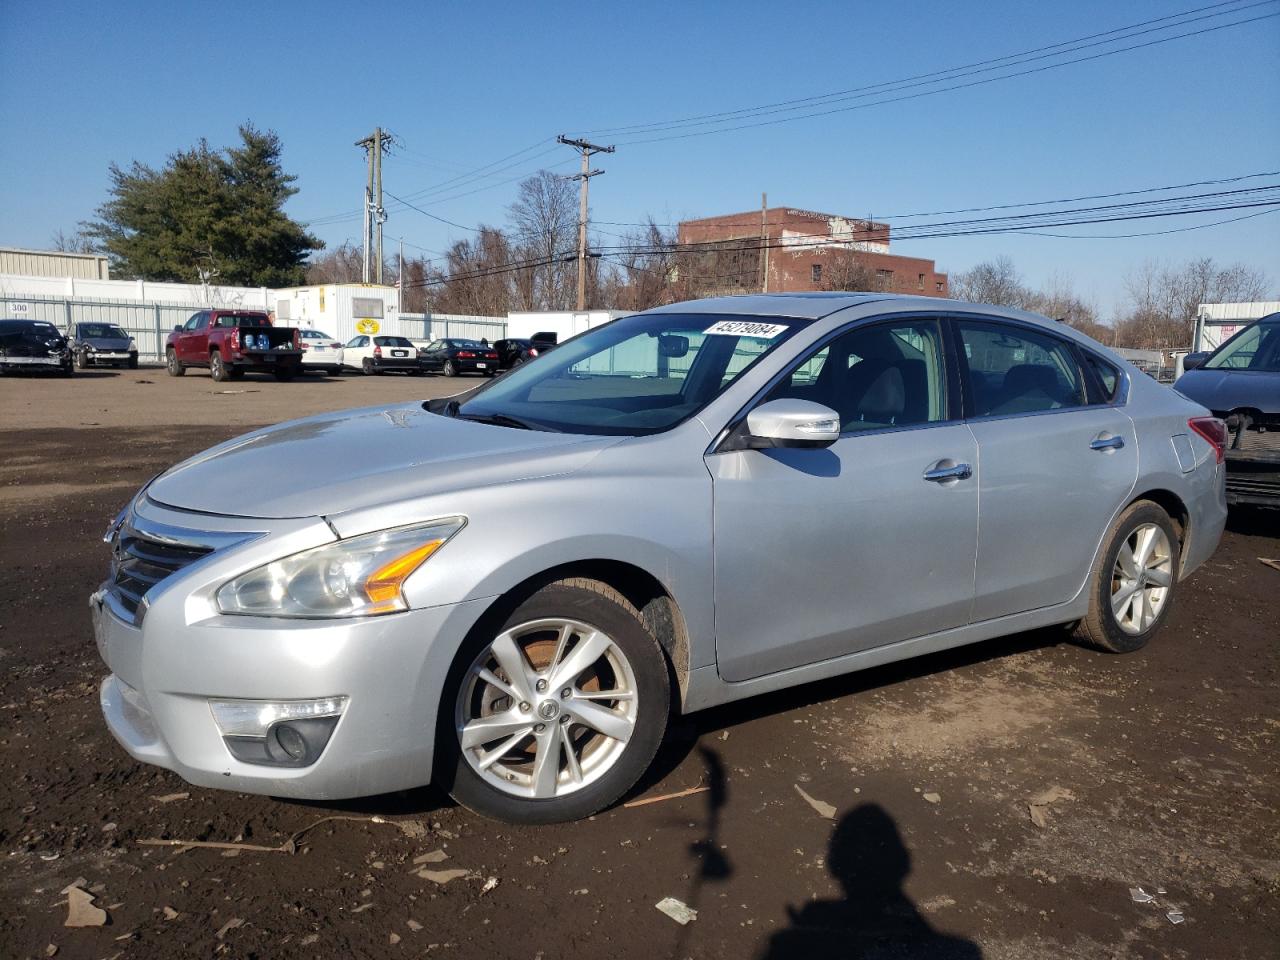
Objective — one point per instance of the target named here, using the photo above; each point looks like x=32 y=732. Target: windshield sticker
x=746 y=328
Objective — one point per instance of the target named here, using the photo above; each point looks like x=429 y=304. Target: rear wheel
x=556 y=711
x=218 y=367
x=173 y=365
x=1133 y=584
x=366 y=367
x=449 y=369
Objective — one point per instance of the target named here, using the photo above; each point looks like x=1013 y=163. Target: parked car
x=231 y=343
x=509 y=592
x=96 y=344
x=322 y=351
x=1240 y=382
x=453 y=356
x=517 y=350
x=372 y=355
x=33 y=345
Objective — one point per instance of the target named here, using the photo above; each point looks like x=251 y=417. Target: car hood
x=1225 y=390
x=334 y=463
x=106 y=343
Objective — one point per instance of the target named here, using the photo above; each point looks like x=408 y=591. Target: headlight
x=133 y=344
x=358 y=577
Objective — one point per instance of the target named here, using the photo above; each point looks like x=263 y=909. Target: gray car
x=509 y=592
x=96 y=344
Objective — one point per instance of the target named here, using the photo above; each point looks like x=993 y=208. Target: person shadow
x=876 y=920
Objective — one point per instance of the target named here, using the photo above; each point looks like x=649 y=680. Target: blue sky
x=462 y=85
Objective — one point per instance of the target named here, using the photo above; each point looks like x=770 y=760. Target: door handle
x=1107 y=443
x=945 y=471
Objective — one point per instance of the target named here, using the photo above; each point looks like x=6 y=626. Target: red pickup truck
x=229 y=342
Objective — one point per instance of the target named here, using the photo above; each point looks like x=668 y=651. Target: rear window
x=241 y=320
x=392 y=342
x=1108 y=376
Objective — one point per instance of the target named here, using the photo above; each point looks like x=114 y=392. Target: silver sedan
x=510 y=592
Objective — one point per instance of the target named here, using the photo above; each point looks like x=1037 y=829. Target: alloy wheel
x=1141 y=578
x=546 y=709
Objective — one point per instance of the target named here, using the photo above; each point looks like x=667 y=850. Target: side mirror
x=1193 y=360
x=790 y=423
x=177 y=328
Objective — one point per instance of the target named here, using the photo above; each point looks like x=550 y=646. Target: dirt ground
x=884 y=814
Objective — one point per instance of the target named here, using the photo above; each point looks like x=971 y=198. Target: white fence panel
x=433 y=326
x=147 y=323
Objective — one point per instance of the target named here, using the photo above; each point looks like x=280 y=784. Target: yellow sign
x=368 y=326
x=322 y=299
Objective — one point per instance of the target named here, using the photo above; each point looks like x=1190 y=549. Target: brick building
x=805 y=251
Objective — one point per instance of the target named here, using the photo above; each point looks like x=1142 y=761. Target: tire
x=607 y=766
x=218 y=367
x=334 y=371
x=1128 y=604
x=449 y=370
x=172 y=365
x=133 y=363
x=80 y=360
x=367 y=368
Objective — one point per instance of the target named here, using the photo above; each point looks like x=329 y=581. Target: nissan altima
x=510 y=591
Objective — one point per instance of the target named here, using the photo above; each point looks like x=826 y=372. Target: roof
x=805 y=306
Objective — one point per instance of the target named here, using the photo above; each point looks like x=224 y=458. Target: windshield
x=38 y=327
x=637 y=375
x=103 y=330
x=1254 y=348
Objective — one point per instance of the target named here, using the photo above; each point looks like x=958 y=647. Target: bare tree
x=994 y=281
x=342 y=264
x=1163 y=299
x=479 y=274
x=849 y=273
x=544 y=220
x=73 y=243
x=644 y=275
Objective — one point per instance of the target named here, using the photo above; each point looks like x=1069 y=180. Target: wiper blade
x=503 y=420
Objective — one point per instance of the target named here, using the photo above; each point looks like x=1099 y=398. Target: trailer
x=563 y=323
x=342 y=310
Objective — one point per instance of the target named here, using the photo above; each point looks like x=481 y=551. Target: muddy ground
x=1164 y=764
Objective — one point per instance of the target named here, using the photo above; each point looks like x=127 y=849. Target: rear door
x=1055 y=467
x=823 y=553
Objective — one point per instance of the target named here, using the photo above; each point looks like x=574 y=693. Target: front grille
x=139 y=562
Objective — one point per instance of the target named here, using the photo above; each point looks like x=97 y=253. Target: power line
x=953 y=87
x=663 y=124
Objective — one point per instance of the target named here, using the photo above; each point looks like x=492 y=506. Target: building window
x=939 y=285
x=815 y=273
x=885 y=279
x=919 y=281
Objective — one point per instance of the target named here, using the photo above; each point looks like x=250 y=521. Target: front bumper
x=180 y=654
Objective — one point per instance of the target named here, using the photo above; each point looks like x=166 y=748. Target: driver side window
x=877 y=377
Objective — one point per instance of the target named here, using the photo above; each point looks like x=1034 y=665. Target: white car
x=379 y=354
x=319 y=350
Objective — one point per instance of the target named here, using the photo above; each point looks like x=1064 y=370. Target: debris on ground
x=413 y=925
x=932 y=797
x=490 y=884
x=171 y=797
x=435 y=856
x=363 y=907
x=678 y=911
x=1175 y=915
x=1138 y=895
x=823 y=809
x=289 y=846
x=1273 y=564
x=666 y=796
x=227 y=927
x=393 y=938
x=724 y=735
x=80 y=909
x=1038 y=806
x=51 y=950
x=170 y=913
x=442 y=876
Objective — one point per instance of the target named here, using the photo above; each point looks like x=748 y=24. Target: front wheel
x=366 y=367
x=173 y=366
x=1132 y=588
x=554 y=713
x=449 y=369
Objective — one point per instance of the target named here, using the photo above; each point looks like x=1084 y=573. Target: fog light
x=288 y=733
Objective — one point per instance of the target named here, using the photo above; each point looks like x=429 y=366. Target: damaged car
x=33 y=345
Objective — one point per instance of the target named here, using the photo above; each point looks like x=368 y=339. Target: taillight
x=377 y=351
x=297 y=338
x=491 y=356
x=465 y=353
x=235 y=339
x=1213 y=430
x=306 y=346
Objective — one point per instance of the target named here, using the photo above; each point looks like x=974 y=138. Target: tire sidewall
x=648 y=663
x=217 y=367
x=1138 y=515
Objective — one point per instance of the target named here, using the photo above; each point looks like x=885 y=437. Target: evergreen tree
x=207 y=213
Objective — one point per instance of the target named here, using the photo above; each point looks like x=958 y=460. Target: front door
x=823 y=553
x=1055 y=467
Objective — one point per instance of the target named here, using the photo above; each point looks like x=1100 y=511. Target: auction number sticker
x=746 y=328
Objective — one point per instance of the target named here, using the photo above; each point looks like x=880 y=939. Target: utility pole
x=764 y=243
x=587 y=150
x=374 y=216
x=400 y=279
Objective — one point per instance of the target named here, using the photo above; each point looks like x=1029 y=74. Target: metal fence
x=147 y=322
x=434 y=326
